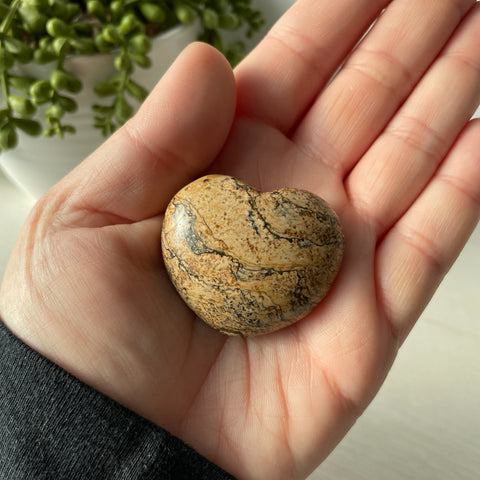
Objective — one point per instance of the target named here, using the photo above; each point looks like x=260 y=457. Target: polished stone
x=246 y=262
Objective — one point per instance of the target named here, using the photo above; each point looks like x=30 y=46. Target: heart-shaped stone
x=247 y=262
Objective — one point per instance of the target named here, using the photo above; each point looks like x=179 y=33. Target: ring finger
x=376 y=79
x=400 y=163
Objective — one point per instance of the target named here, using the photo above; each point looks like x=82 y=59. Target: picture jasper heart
x=246 y=262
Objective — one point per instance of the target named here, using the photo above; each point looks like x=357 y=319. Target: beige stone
x=246 y=262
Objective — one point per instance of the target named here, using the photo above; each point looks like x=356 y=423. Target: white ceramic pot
x=38 y=163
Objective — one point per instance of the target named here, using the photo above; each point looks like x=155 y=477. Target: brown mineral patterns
x=246 y=262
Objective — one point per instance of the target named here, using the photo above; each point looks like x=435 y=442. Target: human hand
x=387 y=143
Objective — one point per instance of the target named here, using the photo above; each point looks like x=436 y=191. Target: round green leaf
x=4 y=117
x=96 y=9
x=34 y=21
x=152 y=12
x=72 y=9
x=68 y=104
x=108 y=87
x=128 y=23
x=84 y=46
x=140 y=59
x=74 y=85
x=185 y=13
x=116 y=8
x=6 y=60
x=123 y=63
x=123 y=111
x=37 y=4
x=16 y=46
x=101 y=44
x=68 y=129
x=59 y=80
x=111 y=35
x=229 y=21
x=235 y=53
x=60 y=9
x=22 y=84
x=8 y=138
x=41 y=92
x=140 y=43
x=83 y=28
x=44 y=56
x=54 y=112
x=61 y=45
x=30 y=127
x=21 y=105
x=58 y=28
x=210 y=19
x=137 y=91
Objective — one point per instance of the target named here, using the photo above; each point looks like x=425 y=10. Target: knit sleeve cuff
x=52 y=426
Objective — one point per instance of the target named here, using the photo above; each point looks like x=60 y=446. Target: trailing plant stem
x=5 y=89
x=4 y=28
x=44 y=31
x=8 y=19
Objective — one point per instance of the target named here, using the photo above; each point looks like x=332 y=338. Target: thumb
x=175 y=135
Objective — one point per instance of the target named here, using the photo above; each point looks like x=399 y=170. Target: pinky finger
x=419 y=250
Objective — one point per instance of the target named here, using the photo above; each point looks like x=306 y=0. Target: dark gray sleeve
x=54 y=427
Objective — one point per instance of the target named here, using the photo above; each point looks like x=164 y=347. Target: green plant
x=48 y=31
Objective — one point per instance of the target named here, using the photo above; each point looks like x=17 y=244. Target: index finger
x=286 y=71
x=179 y=128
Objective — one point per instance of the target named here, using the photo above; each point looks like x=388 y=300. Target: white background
x=425 y=422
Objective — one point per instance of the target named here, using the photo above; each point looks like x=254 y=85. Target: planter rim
x=38 y=163
x=77 y=60
x=159 y=36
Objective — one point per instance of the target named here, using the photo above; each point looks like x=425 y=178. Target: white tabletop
x=425 y=422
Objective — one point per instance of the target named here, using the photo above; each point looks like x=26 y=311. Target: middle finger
x=402 y=160
x=376 y=79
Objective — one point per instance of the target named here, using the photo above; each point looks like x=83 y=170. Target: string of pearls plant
x=48 y=31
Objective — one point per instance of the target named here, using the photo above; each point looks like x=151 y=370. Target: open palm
x=387 y=143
